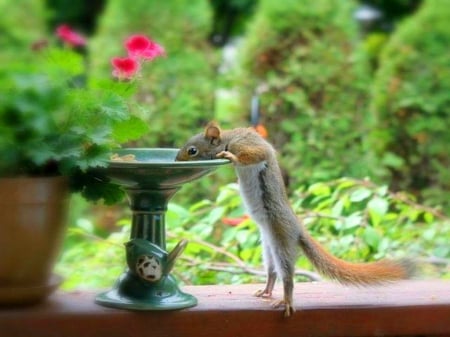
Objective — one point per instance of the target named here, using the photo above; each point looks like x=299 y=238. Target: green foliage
x=411 y=105
x=89 y=261
x=313 y=83
x=217 y=253
x=355 y=219
x=371 y=222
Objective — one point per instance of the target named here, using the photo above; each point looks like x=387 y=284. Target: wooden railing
x=409 y=308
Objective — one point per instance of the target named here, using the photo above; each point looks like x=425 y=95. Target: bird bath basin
x=150 y=182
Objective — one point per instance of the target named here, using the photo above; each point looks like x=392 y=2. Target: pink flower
x=124 y=67
x=141 y=46
x=69 y=36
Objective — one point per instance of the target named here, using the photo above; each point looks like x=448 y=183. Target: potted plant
x=57 y=124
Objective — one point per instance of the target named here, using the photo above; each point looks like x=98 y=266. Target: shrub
x=314 y=85
x=411 y=106
x=355 y=219
x=81 y=14
x=19 y=37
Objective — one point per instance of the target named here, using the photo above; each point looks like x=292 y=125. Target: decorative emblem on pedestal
x=149 y=262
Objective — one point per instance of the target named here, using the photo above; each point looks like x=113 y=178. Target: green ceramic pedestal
x=150 y=182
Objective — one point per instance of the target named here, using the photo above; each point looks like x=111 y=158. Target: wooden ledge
x=409 y=308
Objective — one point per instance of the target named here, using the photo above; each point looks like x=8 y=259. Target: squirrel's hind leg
x=285 y=269
x=287 y=301
x=267 y=291
x=271 y=274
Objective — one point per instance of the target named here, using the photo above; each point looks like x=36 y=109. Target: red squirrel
x=282 y=233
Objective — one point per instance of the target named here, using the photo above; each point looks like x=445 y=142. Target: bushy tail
x=353 y=273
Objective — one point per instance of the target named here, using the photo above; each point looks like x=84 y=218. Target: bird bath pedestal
x=150 y=181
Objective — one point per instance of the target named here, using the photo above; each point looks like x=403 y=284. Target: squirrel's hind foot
x=263 y=293
x=288 y=307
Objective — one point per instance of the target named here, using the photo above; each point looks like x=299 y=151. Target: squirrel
x=282 y=233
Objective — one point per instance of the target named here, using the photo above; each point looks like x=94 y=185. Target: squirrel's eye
x=192 y=151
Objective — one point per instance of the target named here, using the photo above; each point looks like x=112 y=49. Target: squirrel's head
x=203 y=146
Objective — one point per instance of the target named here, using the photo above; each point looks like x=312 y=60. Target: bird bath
x=150 y=182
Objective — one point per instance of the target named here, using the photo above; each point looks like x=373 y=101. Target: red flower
x=235 y=221
x=69 y=36
x=124 y=67
x=141 y=46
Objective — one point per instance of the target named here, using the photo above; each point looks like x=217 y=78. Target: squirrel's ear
x=212 y=132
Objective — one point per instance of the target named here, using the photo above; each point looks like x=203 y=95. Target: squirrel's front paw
x=227 y=155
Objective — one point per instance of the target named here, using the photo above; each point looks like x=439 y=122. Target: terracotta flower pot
x=32 y=225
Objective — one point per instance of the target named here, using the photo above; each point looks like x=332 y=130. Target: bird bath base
x=128 y=293
x=150 y=182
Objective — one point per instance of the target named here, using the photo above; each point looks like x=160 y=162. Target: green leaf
x=227 y=193
x=442 y=251
x=392 y=160
x=86 y=225
x=360 y=194
x=42 y=156
x=345 y=183
x=215 y=215
x=377 y=207
x=100 y=135
x=353 y=221
x=129 y=129
x=338 y=208
x=65 y=60
x=94 y=156
x=242 y=236
x=429 y=234
x=320 y=189
x=428 y=217
x=176 y=215
x=110 y=193
x=114 y=107
x=382 y=190
x=199 y=205
x=371 y=237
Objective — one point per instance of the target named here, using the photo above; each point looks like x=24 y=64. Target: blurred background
x=354 y=95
